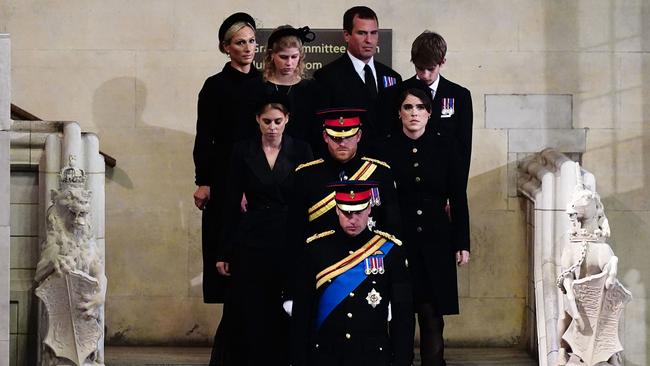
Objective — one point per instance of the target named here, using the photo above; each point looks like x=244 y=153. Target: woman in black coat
x=252 y=250
x=428 y=175
x=215 y=135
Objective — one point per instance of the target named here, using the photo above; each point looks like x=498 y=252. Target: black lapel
x=257 y=162
x=352 y=73
x=379 y=68
x=441 y=92
x=284 y=163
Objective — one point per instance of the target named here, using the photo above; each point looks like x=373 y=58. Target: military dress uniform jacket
x=312 y=209
x=340 y=86
x=428 y=173
x=356 y=331
x=215 y=135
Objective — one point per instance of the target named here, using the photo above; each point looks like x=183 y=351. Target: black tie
x=370 y=81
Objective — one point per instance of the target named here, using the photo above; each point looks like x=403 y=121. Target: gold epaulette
x=388 y=236
x=313 y=162
x=319 y=235
x=376 y=161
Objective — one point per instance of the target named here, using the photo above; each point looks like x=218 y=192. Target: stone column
x=5 y=125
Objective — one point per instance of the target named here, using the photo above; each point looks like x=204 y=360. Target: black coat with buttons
x=355 y=332
x=428 y=172
x=457 y=125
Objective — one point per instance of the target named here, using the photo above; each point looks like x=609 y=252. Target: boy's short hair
x=428 y=49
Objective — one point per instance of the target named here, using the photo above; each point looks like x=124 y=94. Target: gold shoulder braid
x=376 y=161
x=313 y=162
x=388 y=236
x=319 y=235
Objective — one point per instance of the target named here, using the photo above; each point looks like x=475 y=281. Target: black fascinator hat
x=304 y=34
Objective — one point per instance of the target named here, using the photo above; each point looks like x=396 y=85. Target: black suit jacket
x=267 y=190
x=341 y=86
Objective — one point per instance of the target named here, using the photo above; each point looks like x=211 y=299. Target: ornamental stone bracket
x=575 y=297
x=70 y=274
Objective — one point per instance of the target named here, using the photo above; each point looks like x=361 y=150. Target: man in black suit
x=355 y=79
x=452 y=103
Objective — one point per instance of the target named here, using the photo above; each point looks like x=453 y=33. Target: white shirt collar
x=359 y=65
x=433 y=86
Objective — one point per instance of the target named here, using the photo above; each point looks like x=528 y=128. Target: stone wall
x=135 y=83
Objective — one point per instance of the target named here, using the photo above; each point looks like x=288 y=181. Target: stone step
x=163 y=356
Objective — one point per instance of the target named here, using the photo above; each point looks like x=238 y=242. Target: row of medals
x=374 y=265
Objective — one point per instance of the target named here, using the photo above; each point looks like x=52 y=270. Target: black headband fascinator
x=231 y=20
x=304 y=34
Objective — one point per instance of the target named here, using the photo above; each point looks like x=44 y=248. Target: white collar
x=359 y=65
x=434 y=85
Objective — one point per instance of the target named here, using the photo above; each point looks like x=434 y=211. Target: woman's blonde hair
x=278 y=45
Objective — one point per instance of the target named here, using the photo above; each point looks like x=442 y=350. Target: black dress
x=215 y=136
x=428 y=171
x=254 y=245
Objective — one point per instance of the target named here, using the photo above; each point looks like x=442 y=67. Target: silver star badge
x=371 y=223
x=374 y=298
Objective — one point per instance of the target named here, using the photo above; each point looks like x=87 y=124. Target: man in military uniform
x=311 y=210
x=353 y=301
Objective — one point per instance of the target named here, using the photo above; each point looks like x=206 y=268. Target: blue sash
x=341 y=287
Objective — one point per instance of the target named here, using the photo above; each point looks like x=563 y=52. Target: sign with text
x=327 y=46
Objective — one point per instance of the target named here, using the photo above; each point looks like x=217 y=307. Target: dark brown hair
x=363 y=12
x=428 y=49
x=418 y=93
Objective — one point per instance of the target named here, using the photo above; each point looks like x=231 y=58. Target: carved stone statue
x=594 y=301
x=71 y=276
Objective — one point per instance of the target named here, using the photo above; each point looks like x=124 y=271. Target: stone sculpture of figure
x=588 y=324
x=71 y=276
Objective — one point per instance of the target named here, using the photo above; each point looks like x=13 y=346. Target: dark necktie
x=371 y=84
